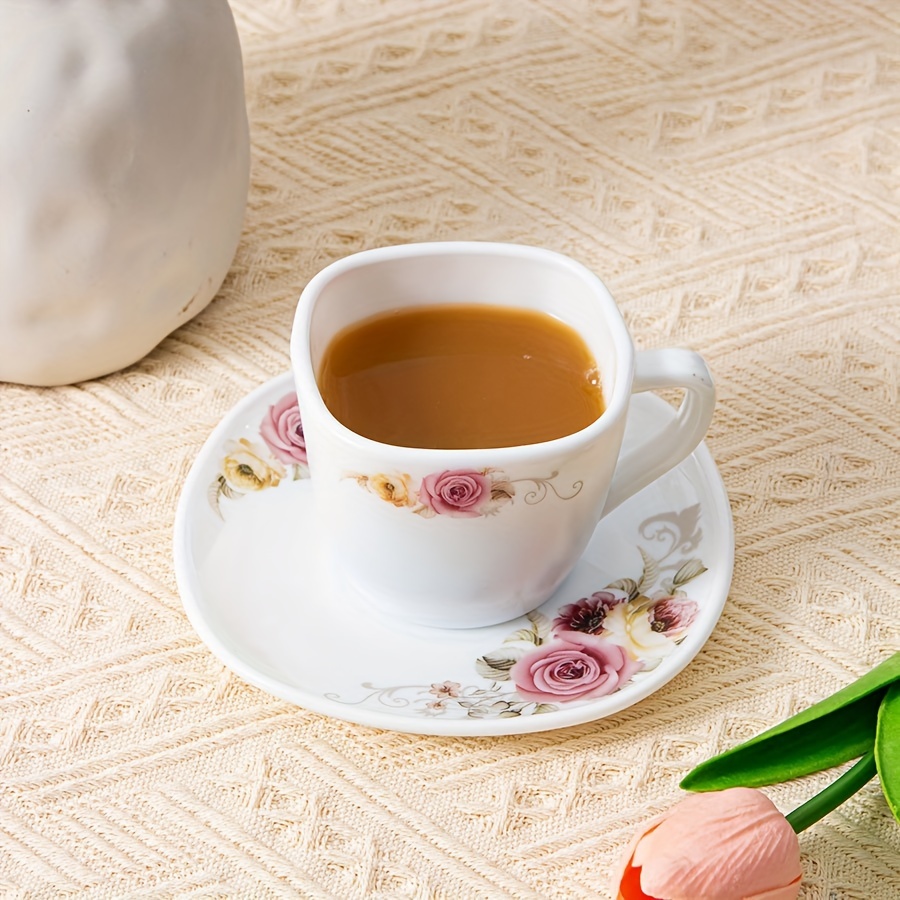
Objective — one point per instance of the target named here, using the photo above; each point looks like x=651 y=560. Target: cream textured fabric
x=732 y=171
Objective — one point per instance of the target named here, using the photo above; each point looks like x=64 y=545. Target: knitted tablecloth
x=732 y=171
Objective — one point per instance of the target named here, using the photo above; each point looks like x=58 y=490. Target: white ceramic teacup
x=465 y=538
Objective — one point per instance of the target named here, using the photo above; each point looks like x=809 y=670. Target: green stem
x=834 y=795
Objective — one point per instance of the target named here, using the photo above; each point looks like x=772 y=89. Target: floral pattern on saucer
x=280 y=454
x=593 y=647
x=459 y=493
x=254 y=585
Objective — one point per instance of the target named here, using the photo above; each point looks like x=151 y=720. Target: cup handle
x=665 y=449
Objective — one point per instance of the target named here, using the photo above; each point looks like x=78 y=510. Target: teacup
x=465 y=538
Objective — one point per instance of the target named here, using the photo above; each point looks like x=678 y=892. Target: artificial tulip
x=725 y=845
x=732 y=843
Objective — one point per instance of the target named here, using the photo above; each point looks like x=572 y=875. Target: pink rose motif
x=461 y=492
x=577 y=668
x=282 y=431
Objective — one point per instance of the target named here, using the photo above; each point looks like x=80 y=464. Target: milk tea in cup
x=460 y=376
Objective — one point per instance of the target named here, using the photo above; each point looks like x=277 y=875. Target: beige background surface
x=732 y=170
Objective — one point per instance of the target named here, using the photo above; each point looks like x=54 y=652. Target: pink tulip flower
x=724 y=845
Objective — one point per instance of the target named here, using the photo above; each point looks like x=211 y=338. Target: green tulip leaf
x=887 y=748
x=837 y=729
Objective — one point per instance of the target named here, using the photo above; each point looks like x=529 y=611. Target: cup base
x=396 y=614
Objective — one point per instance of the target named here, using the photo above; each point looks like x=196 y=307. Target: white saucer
x=256 y=588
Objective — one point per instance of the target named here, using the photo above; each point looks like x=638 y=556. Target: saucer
x=259 y=590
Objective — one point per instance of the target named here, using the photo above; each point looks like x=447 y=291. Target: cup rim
x=301 y=361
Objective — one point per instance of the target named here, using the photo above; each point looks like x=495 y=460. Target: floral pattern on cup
x=279 y=456
x=460 y=493
x=249 y=466
x=593 y=647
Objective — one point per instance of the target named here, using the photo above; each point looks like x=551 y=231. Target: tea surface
x=461 y=376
